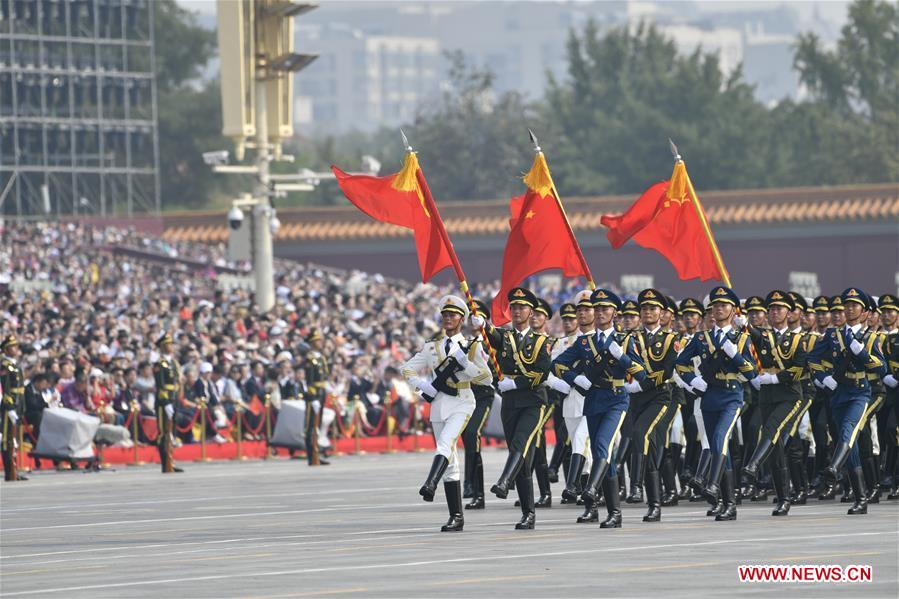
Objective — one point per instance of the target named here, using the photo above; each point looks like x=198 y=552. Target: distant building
x=78 y=129
x=363 y=81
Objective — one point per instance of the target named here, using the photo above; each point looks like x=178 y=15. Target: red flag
x=540 y=238
x=397 y=199
x=666 y=220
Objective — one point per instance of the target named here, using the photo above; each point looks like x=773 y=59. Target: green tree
x=629 y=90
x=189 y=108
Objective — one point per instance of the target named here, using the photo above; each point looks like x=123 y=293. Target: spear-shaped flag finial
x=674 y=152
x=406 y=144
x=534 y=141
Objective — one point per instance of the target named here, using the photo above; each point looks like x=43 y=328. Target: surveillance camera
x=235 y=218
x=216 y=158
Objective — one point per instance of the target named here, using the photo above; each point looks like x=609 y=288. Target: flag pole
x=580 y=255
x=719 y=261
x=457 y=265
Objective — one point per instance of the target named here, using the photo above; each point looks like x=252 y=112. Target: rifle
x=443 y=372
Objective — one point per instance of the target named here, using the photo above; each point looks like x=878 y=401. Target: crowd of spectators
x=88 y=303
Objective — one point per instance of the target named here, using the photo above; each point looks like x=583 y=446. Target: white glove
x=316 y=406
x=729 y=348
x=679 y=381
x=169 y=410
x=415 y=382
x=767 y=378
x=461 y=358
x=830 y=382
x=427 y=388
x=756 y=382
x=856 y=347
x=554 y=382
x=739 y=321
x=890 y=381
x=615 y=349
x=583 y=383
x=507 y=384
x=13 y=416
x=699 y=384
x=632 y=387
x=818 y=384
x=476 y=321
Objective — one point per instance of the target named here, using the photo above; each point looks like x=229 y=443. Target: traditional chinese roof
x=725 y=209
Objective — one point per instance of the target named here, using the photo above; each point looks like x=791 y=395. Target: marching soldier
x=691 y=312
x=524 y=359
x=540 y=467
x=889 y=312
x=597 y=365
x=797 y=448
x=629 y=319
x=650 y=399
x=471 y=436
x=453 y=364
x=317 y=373
x=672 y=423
x=562 y=450
x=573 y=410
x=781 y=353
x=167 y=375
x=818 y=412
x=841 y=361
x=12 y=383
x=724 y=358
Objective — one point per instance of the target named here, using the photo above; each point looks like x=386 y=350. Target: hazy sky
x=831 y=10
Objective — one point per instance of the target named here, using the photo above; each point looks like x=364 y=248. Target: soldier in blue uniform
x=598 y=366
x=725 y=360
x=841 y=361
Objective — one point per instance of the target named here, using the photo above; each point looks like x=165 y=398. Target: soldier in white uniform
x=452 y=364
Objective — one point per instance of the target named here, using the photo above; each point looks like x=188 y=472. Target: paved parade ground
x=358 y=528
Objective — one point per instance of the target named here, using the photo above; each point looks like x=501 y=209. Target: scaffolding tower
x=78 y=114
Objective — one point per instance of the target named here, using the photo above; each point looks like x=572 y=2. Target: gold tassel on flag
x=406 y=179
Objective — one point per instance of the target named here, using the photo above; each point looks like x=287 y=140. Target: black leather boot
x=456 y=521
x=637 y=474
x=780 y=488
x=716 y=509
x=653 y=491
x=857 y=482
x=546 y=498
x=570 y=493
x=510 y=471
x=761 y=453
x=438 y=467
x=624 y=460
x=613 y=505
x=524 y=484
x=597 y=473
x=527 y=522
x=666 y=472
x=799 y=478
x=698 y=482
x=477 y=483
x=840 y=454
x=468 y=485
x=847 y=497
x=555 y=461
x=872 y=484
x=727 y=496
x=591 y=513
x=711 y=490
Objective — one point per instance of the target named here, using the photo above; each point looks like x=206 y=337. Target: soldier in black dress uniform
x=167 y=375
x=524 y=359
x=12 y=405
x=317 y=373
